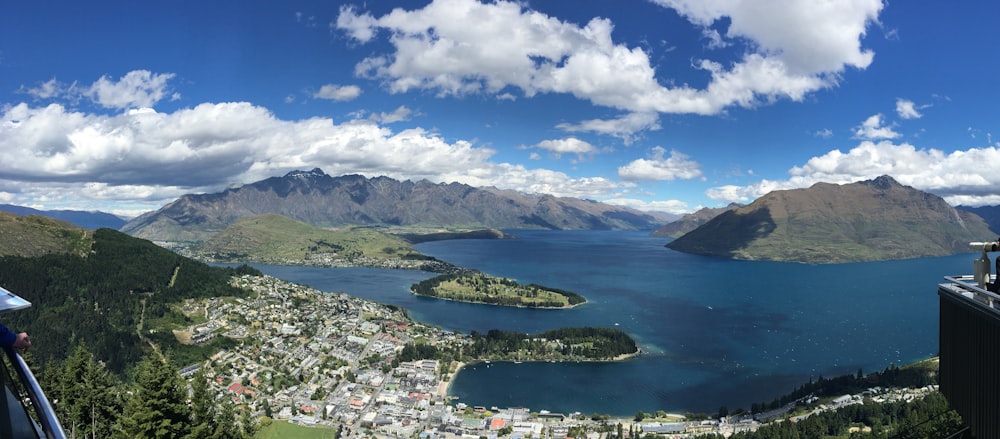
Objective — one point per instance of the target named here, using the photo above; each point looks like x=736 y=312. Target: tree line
x=91 y=402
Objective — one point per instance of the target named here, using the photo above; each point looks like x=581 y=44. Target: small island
x=557 y=345
x=482 y=288
x=565 y=344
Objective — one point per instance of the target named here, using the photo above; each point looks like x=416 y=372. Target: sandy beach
x=443 y=386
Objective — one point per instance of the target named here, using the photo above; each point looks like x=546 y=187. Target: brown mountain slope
x=34 y=235
x=826 y=223
x=321 y=200
x=692 y=221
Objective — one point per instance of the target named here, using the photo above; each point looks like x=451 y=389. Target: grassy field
x=284 y=430
x=271 y=237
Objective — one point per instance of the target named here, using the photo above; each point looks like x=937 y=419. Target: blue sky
x=666 y=105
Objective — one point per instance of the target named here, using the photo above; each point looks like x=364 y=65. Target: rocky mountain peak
x=315 y=172
x=882 y=182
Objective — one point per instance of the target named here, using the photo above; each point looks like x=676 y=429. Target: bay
x=714 y=332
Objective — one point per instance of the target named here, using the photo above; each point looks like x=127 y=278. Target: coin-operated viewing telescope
x=981 y=266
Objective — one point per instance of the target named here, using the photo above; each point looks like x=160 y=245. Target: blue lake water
x=714 y=332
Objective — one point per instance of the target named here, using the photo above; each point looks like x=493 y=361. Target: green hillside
x=34 y=235
x=109 y=299
x=277 y=239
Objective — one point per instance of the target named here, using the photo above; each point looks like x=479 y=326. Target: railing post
x=6 y=430
x=46 y=415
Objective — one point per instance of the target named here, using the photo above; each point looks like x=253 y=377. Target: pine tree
x=225 y=422
x=202 y=407
x=88 y=398
x=156 y=407
x=248 y=423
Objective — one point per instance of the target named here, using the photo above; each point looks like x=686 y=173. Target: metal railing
x=966 y=286
x=47 y=425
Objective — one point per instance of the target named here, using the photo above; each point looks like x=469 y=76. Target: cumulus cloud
x=623 y=127
x=400 y=114
x=872 y=129
x=907 y=109
x=46 y=90
x=569 y=145
x=338 y=93
x=457 y=47
x=659 y=168
x=146 y=158
x=960 y=177
x=807 y=37
x=135 y=89
x=138 y=88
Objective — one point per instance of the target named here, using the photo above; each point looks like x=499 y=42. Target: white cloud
x=658 y=168
x=140 y=159
x=46 y=90
x=457 y=47
x=824 y=133
x=807 y=37
x=624 y=127
x=907 y=109
x=569 y=145
x=398 y=115
x=970 y=177
x=872 y=129
x=669 y=206
x=138 y=88
x=338 y=93
x=715 y=40
x=360 y=27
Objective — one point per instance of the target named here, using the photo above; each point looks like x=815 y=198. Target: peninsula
x=475 y=287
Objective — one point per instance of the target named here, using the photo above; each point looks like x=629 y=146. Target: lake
x=714 y=332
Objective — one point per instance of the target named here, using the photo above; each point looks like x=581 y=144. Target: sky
x=659 y=105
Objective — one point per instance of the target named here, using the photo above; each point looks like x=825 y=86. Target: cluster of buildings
x=322 y=358
x=330 y=359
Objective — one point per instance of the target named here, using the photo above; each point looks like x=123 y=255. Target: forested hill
x=102 y=298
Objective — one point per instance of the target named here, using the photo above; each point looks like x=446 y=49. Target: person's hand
x=22 y=342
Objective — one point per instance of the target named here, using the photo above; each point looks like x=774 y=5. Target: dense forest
x=108 y=299
x=558 y=344
x=929 y=417
x=90 y=401
x=587 y=343
x=918 y=375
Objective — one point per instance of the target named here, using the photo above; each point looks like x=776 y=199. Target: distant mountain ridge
x=316 y=198
x=991 y=214
x=691 y=221
x=87 y=220
x=871 y=220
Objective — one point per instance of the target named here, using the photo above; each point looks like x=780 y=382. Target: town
x=330 y=360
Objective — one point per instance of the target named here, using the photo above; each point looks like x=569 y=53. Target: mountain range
x=989 y=213
x=876 y=219
x=315 y=198
x=691 y=221
x=87 y=220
